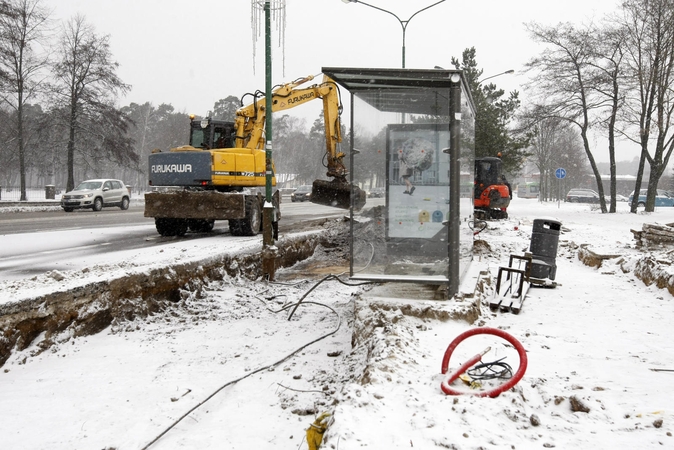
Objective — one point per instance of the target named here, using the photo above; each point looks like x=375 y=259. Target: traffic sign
x=560 y=173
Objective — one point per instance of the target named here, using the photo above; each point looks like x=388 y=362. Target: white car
x=96 y=194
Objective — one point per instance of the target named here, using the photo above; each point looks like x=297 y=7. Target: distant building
x=625 y=183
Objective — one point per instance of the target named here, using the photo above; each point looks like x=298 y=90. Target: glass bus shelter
x=411 y=147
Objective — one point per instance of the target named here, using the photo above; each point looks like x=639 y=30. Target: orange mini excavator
x=491 y=191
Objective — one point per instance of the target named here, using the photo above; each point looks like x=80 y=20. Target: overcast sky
x=190 y=54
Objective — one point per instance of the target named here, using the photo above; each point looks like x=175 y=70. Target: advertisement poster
x=418 y=174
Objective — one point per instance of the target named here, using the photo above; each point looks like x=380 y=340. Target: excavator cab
x=491 y=194
x=208 y=134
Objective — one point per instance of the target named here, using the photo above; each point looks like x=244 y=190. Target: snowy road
x=36 y=243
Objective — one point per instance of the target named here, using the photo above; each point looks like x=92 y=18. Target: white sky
x=190 y=54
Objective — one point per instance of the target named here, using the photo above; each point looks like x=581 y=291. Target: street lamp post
x=403 y=23
x=497 y=75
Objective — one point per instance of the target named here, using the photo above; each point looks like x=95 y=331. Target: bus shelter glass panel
x=402 y=160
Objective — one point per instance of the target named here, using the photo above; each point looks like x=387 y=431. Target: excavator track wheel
x=251 y=224
x=201 y=226
x=171 y=227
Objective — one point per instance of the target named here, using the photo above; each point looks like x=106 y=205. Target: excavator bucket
x=337 y=194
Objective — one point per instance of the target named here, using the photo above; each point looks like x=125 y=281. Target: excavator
x=219 y=175
x=491 y=192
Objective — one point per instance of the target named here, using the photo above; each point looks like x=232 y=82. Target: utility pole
x=268 y=210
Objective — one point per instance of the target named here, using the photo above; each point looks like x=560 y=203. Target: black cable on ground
x=177 y=421
x=487 y=371
x=477 y=226
x=294 y=306
x=326 y=278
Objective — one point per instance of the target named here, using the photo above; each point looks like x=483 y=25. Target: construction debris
x=592 y=258
x=654 y=234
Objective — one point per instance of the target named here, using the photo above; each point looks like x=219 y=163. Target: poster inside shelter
x=418 y=174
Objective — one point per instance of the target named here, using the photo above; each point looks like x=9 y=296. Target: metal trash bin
x=50 y=192
x=543 y=248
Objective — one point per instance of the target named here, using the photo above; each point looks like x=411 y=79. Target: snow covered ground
x=234 y=365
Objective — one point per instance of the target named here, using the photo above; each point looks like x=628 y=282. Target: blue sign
x=560 y=173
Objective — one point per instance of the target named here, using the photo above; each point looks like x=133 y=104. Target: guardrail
x=13 y=193
x=30 y=204
x=52 y=193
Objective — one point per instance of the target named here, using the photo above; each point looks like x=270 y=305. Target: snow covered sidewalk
x=595 y=338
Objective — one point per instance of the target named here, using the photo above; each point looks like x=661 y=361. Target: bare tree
x=155 y=127
x=543 y=146
x=608 y=63
x=371 y=160
x=649 y=35
x=566 y=81
x=144 y=118
x=87 y=85
x=22 y=28
x=290 y=139
x=555 y=144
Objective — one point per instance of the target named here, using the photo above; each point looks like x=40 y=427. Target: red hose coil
x=447 y=389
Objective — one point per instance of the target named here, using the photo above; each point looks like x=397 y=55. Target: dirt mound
x=91 y=308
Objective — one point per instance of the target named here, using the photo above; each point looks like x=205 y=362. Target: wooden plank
x=516 y=305
x=495 y=303
x=511 y=287
x=658 y=229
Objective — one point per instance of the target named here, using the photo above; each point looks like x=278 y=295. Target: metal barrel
x=543 y=248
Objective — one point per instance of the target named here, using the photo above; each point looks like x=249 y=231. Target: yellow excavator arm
x=250 y=142
x=250 y=119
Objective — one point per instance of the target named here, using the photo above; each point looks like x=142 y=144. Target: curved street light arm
x=403 y=23
x=380 y=9
x=494 y=76
x=424 y=9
